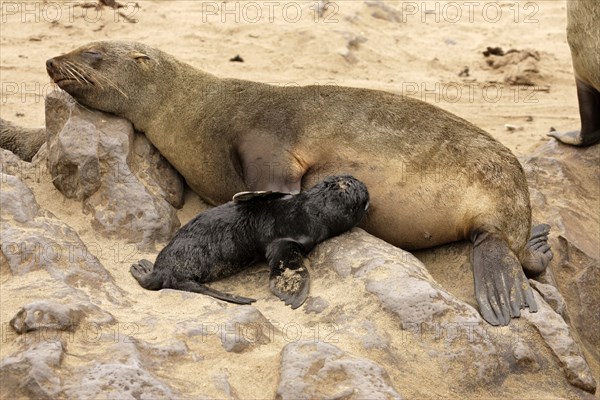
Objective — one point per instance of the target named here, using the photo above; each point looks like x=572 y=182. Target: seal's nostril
x=50 y=63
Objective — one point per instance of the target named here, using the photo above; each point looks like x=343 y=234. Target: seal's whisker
x=75 y=71
x=72 y=74
x=98 y=78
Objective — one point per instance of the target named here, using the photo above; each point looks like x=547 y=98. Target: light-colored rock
x=45 y=314
x=565 y=191
x=321 y=370
x=34 y=372
x=125 y=184
x=555 y=332
x=33 y=238
x=552 y=297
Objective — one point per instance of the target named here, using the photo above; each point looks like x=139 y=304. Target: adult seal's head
x=117 y=77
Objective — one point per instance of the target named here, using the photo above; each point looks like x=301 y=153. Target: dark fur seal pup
x=23 y=142
x=433 y=177
x=583 y=35
x=280 y=227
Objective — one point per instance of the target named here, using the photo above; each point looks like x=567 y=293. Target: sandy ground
x=420 y=53
x=419 y=50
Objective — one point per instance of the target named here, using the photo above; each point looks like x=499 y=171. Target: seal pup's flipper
x=501 y=287
x=243 y=197
x=289 y=279
x=589 y=111
x=537 y=254
x=144 y=273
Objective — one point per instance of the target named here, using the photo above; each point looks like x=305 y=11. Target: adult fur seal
x=277 y=226
x=583 y=35
x=23 y=142
x=433 y=177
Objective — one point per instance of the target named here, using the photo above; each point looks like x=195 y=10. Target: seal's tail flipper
x=501 y=287
x=537 y=254
x=193 y=286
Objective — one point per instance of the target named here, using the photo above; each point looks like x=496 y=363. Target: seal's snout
x=51 y=67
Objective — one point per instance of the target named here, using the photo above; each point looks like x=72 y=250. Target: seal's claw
x=573 y=138
x=291 y=286
x=141 y=269
x=537 y=253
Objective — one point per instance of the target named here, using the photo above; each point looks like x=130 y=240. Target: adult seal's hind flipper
x=501 y=287
x=537 y=253
x=144 y=273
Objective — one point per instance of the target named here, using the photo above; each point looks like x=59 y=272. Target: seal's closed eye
x=137 y=56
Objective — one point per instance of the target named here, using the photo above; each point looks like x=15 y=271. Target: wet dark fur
x=227 y=239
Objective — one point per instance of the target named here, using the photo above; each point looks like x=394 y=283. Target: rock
x=32 y=373
x=520 y=67
x=555 y=332
x=383 y=11
x=315 y=304
x=564 y=184
x=118 y=380
x=46 y=314
x=239 y=329
x=320 y=370
x=34 y=239
x=125 y=184
x=552 y=297
x=525 y=358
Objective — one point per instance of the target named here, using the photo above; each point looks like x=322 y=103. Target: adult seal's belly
x=433 y=177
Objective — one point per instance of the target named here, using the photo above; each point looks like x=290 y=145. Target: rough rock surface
x=565 y=190
x=321 y=370
x=34 y=372
x=99 y=158
x=34 y=239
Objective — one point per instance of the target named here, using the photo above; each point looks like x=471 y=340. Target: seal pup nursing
x=278 y=227
x=433 y=177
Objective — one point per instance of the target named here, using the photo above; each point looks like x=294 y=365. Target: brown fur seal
x=433 y=177
x=583 y=35
x=23 y=142
x=278 y=227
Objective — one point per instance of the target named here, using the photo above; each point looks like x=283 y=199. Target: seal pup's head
x=338 y=203
x=114 y=76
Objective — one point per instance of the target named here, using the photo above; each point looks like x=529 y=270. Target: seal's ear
x=264 y=195
x=139 y=57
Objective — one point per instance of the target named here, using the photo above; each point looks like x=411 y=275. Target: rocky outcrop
x=565 y=190
x=125 y=184
x=323 y=371
x=379 y=322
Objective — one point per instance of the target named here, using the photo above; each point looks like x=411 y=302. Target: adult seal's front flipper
x=589 y=111
x=289 y=280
